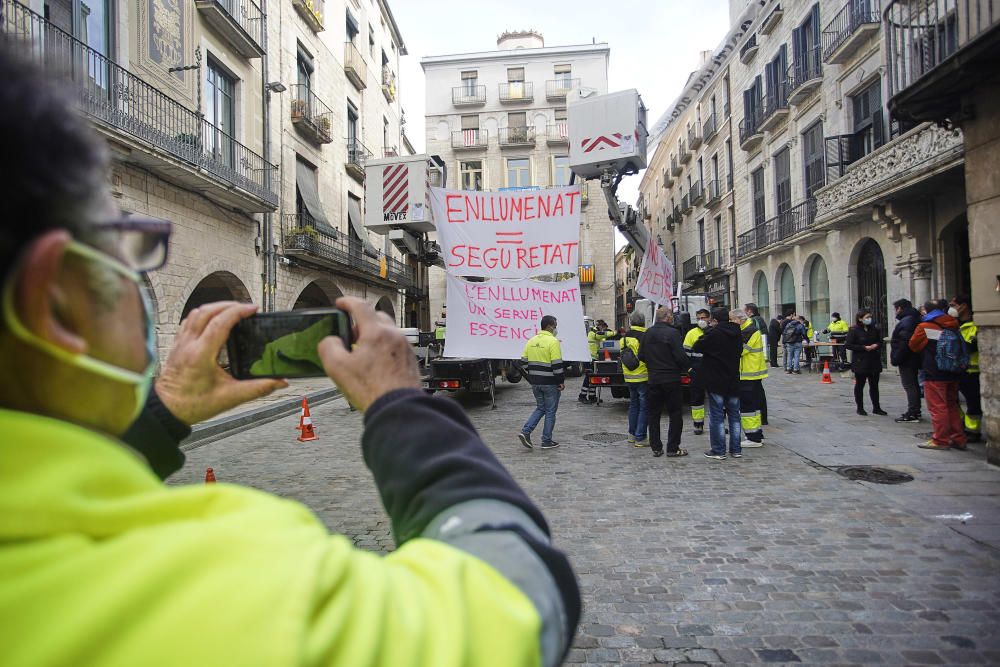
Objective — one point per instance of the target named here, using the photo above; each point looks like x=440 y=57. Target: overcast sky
x=654 y=43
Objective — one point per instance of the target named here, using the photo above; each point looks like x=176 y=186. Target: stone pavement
x=773 y=559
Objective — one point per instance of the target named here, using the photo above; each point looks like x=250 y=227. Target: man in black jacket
x=773 y=336
x=908 y=362
x=663 y=353
x=721 y=347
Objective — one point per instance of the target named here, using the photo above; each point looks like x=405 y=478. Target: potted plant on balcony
x=298 y=108
x=324 y=125
x=188 y=139
x=298 y=236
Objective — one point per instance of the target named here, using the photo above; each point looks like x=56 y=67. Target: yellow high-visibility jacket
x=640 y=374
x=753 y=365
x=969 y=332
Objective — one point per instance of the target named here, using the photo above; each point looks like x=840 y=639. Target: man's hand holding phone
x=381 y=361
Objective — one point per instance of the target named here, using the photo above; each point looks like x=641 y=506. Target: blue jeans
x=546 y=404
x=719 y=408
x=637 y=415
x=792 y=353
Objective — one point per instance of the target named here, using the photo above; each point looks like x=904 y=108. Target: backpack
x=793 y=333
x=629 y=360
x=951 y=355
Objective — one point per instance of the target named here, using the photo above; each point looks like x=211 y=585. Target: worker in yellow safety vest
x=838 y=334
x=595 y=336
x=753 y=371
x=637 y=380
x=696 y=391
x=968 y=386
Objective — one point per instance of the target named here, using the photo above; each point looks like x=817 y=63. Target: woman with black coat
x=865 y=343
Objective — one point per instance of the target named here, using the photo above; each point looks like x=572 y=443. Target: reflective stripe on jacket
x=968 y=330
x=594 y=341
x=690 y=339
x=543 y=359
x=753 y=365
x=640 y=374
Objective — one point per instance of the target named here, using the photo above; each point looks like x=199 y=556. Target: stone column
x=920 y=277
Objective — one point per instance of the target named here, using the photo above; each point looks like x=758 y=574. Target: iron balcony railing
x=388 y=84
x=685 y=203
x=710 y=127
x=922 y=36
x=684 y=152
x=725 y=110
x=357 y=154
x=747 y=46
x=300 y=233
x=750 y=125
x=558 y=88
x=796 y=219
x=675 y=167
x=120 y=100
x=517 y=91
x=246 y=14
x=714 y=191
x=517 y=136
x=311 y=11
x=776 y=100
x=557 y=133
x=697 y=193
x=469 y=138
x=854 y=15
x=694 y=136
x=678 y=215
x=468 y=95
x=355 y=66
x=807 y=68
x=311 y=112
x=701 y=264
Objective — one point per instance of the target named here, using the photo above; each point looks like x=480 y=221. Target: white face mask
x=953 y=312
x=867 y=321
x=703 y=324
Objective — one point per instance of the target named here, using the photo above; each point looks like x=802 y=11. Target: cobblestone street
x=775 y=558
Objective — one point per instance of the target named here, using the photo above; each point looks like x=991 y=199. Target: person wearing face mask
x=865 y=343
x=837 y=329
x=961 y=309
x=695 y=389
x=906 y=361
x=793 y=337
x=102 y=563
x=942 y=372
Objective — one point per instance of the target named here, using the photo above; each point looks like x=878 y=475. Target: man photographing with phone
x=102 y=563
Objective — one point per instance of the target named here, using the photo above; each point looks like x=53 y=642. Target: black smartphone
x=283 y=344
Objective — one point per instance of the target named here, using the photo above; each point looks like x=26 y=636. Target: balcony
x=517 y=92
x=936 y=52
x=772 y=20
x=805 y=77
x=668 y=181
x=856 y=181
x=517 y=137
x=850 y=30
x=684 y=153
x=557 y=133
x=675 y=167
x=468 y=96
x=692 y=268
x=710 y=128
x=750 y=133
x=792 y=222
x=714 y=193
x=749 y=49
x=390 y=151
x=775 y=110
x=311 y=12
x=357 y=157
x=240 y=22
x=729 y=182
x=705 y=263
x=694 y=136
x=158 y=132
x=302 y=240
x=389 y=84
x=469 y=140
x=557 y=89
x=686 y=203
x=310 y=115
x=355 y=67
x=697 y=193
x=678 y=216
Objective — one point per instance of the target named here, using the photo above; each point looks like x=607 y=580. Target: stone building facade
x=214 y=113
x=834 y=203
x=498 y=120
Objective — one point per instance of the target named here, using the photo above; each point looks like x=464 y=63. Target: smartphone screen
x=283 y=345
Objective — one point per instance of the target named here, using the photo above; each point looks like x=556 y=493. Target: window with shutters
x=812 y=158
x=472 y=175
x=470 y=122
x=868 y=125
x=560 y=115
x=515 y=75
x=776 y=77
x=806 y=47
x=782 y=181
x=757 y=188
x=470 y=80
x=701 y=238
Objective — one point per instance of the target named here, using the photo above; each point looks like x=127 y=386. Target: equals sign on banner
x=510 y=238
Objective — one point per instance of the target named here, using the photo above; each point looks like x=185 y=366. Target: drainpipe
x=270 y=277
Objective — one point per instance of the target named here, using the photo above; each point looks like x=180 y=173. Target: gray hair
x=737 y=314
x=664 y=314
x=638 y=319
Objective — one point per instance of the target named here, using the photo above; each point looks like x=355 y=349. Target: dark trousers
x=587 y=389
x=773 y=345
x=761 y=401
x=968 y=386
x=911 y=385
x=660 y=397
x=859 y=388
x=840 y=351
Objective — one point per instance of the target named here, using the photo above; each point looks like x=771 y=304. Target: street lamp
x=275 y=87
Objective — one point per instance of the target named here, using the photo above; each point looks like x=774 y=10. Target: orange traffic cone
x=303 y=411
x=306 y=425
x=827 y=379
x=209 y=476
x=607 y=354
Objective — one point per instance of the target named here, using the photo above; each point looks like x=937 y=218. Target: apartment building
x=836 y=204
x=221 y=118
x=498 y=120
x=627 y=264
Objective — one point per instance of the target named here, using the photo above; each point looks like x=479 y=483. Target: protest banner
x=656 y=276
x=513 y=234
x=495 y=318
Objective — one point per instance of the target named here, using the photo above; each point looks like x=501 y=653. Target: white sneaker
x=631 y=439
x=750 y=444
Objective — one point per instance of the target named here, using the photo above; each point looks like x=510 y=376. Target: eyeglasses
x=140 y=242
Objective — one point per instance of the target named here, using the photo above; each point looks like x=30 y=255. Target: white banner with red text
x=656 y=276
x=495 y=318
